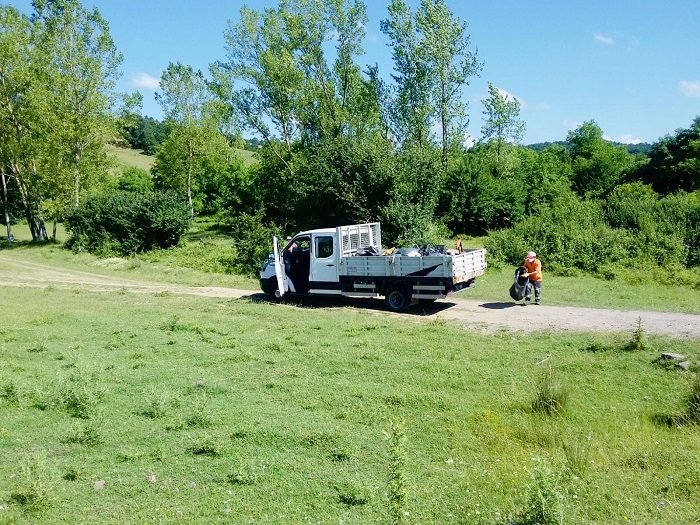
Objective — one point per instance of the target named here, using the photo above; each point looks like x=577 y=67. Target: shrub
x=550 y=394
x=252 y=242
x=124 y=223
x=35 y=484
x=135 y=180
x=546 y=502
x=638 y=340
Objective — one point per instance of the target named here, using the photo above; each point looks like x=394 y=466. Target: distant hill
x=641 y=148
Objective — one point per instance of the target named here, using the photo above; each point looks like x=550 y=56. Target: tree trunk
x=5 y=202
x=189 y=180
x=37 y=229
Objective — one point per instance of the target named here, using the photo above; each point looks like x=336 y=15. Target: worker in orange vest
x=533 y=268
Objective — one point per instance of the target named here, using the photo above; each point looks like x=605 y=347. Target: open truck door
x=282 y=284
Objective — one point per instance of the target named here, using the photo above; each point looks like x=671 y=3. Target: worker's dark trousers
x=537 y=285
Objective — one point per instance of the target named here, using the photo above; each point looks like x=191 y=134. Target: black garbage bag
x=517 y=289
x=367 y=251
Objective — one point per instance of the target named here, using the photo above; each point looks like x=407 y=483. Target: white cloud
x=571 y=125
x=628 y=139
x=607 y=40
x=507 y=96
x=690 y=88
x=145 y=81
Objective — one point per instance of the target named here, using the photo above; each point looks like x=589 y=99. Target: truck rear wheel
x=397 y=299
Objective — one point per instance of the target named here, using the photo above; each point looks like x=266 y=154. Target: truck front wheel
x=270 y=286
x=397 y=299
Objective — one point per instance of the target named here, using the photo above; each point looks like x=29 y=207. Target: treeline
x=339 y=142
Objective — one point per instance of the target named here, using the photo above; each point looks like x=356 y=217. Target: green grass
x=131 y=157
x=135 y=157
x=592 y=292
x=125 y=408
x=195 y=263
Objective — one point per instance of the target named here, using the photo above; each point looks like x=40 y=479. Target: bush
x=124 y=223
x=136 y=180
x=252 y=242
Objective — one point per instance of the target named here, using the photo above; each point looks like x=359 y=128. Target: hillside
x=135 y=157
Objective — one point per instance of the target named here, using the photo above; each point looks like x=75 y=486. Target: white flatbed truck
x=349 y=261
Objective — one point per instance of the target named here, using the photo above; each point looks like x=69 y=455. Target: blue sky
x=633 y=66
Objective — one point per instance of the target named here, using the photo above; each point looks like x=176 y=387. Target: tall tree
x=412 y=107
x=502 y=124
x=291 y=90
x=446 y=46
x=332 y=89
x=432 y=63
x=193 y=118
x=77 y=68
x=18 y=142
x=598 y=165
x=261 y=56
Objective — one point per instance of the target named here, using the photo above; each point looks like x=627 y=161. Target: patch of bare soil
x=485 y=317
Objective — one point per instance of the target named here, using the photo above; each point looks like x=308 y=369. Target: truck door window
x=324 y=247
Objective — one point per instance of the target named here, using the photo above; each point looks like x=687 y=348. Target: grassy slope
x=135 y=157
x=131 y=157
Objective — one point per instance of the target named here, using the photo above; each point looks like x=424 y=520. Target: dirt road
x=486 y=317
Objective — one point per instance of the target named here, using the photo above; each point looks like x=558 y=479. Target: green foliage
x=638 y=341
x=135 y=180
x=408 y=217
x=674 y=161
x=572 y=237
x=343 y=181
x=598 y=165
x=666 y=228
x=9 y=393
x=252 y=242
x=476 y=199
x=127 y=223
x=35 y=484
x=145 y=133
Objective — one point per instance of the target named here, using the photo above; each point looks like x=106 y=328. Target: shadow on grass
x=14 y=245
x=206 y=231
x=375 y=304
x=672 y=420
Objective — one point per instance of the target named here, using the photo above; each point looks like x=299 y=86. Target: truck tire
x=270 y=287
x=397 y=299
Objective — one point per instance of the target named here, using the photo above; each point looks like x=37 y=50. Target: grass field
x=131 y=157
x=136 y=158
x=129 y=408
